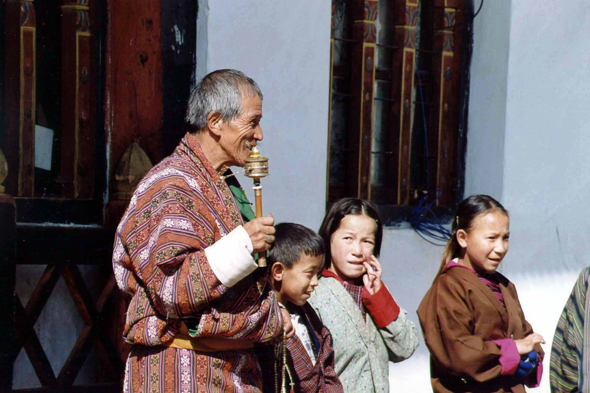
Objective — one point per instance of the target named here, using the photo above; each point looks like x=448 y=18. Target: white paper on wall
x=43 y=147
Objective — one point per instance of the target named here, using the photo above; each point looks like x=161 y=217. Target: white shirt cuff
x=231 y=258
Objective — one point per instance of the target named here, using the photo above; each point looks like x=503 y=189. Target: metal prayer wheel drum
x=256 y=168
x=256 y=165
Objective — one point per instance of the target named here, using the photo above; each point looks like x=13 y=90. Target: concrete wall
x=285 y=47
x=546 y=154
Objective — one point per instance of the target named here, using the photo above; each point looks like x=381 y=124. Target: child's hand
x=526 y=345
x=372 y=279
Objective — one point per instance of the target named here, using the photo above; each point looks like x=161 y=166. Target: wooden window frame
x=443 y=53
x=82 y=168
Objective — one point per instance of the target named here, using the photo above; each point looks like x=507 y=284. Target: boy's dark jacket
x=307 y=378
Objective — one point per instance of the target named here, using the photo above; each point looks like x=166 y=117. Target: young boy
x=296 y=257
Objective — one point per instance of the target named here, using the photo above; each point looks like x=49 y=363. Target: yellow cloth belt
x=207 y=344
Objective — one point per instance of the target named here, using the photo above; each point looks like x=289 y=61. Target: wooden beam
x=133 y=108
x=406 y=20
x=363 y=81
x=78 y=93
x=446 y=69
x=7 y=287
x=34 y=349
x=20 y=84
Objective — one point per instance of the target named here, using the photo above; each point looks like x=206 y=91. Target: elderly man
x=183 y=252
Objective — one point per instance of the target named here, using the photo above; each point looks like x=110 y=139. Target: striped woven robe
x=570 y=366
x=180 y=208
x=310 y=378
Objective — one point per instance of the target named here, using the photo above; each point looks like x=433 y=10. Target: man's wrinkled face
x=241 y=134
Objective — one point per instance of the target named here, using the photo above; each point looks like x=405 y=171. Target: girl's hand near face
x=372 y=279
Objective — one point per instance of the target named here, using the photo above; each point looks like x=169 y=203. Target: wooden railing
x=25 y=245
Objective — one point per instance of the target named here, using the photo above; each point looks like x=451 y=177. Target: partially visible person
x=368 y=328
x=183 y=251
x=569 y=367
x=472 y=321
x=295 y=260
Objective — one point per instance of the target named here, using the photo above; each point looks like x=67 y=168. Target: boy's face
x=297 y=283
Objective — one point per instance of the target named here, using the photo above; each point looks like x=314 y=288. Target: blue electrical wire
x=432 y=231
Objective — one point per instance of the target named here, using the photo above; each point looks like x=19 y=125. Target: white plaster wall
x=285 y=47
x=409 y=265
x=487 y=104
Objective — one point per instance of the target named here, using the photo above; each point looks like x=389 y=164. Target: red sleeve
x=533 y=380
x=509 y=356
x=381 y=306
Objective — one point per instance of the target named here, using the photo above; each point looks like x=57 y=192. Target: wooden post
x=78 y=101
x=363 y=81
x=130 y=170
x=446 y=71
x=20 y=96
x=7 y=280
x=134 y=108
x=406 y=19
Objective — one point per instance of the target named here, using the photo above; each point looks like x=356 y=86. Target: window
x=399 y=83
x=52 y=111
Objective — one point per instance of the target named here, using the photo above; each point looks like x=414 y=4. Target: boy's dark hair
x=292 y=241
x=343 y=208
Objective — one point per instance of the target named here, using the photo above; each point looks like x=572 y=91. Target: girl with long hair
x=473 y=324
x=368 y=328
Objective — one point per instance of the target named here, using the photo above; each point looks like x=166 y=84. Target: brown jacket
x=460 y=316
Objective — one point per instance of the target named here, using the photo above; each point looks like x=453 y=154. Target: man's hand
x=287 y=325
x=261 y=232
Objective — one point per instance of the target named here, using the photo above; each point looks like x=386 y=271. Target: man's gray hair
x=220 y=91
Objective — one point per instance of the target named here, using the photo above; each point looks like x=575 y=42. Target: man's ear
x=214 y=122
x=276 y=271
x=461 y=238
